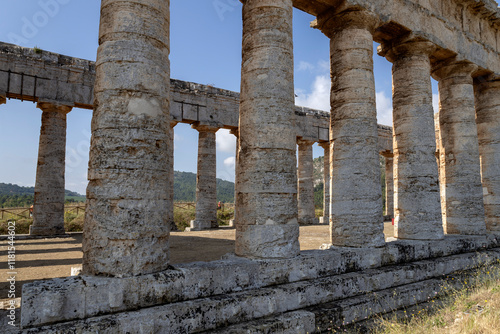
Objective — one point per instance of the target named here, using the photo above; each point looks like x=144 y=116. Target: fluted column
x=356 y=195
x=389 y=186
x=488 y=126
x=326 y=183
x=126 y=228
x=170 y=202
x=463 y=193
x=236 y=133
x=416 y=189
x=305 y=196
x=266 y=221
x=48 y=208
x=206 y=180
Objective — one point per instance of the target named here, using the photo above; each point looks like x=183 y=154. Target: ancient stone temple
x=447 y=213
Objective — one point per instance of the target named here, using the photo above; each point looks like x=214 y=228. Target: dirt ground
x=38 y=259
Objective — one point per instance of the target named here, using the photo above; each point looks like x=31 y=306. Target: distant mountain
x=185 y=188
x=14 y=189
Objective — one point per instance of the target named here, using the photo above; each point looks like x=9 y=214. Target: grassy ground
x=473 y=309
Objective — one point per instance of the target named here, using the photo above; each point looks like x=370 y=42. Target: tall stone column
x=266 y=221
x=235 y=132
x=48 y=208
x=389 y=186
x=170 y=201
x=488 y=127
x=356 y=195
x=305 y=197
x=326 y=183
x=416 y=189
x=461 y=179
x=126 y=228
x=206 y=180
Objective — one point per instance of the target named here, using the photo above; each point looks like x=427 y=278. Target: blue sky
x=205 y=48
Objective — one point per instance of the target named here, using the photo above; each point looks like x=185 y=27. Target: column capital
x=324 y=144
x=488 y=82
x=54 y=106
x=406 y=46
x=454 y=68
x=301 y=142
x=201 y=127
x=173 y=124
x=332 y=21
x=235 y=132
x=3 y=99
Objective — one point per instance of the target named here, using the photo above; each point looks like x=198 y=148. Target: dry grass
x=475 y=309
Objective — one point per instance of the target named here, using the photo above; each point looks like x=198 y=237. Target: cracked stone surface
x=305 y=196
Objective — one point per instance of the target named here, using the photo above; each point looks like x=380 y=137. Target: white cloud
x=226 y=142
x=384 y=108
x=230 y=162
x=305 y=66
x=319 y=97
x=435 y=102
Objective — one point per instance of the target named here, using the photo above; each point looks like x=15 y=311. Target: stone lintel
x=61 y=299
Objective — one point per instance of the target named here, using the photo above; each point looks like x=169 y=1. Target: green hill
x=185 y=188
x=12 y=195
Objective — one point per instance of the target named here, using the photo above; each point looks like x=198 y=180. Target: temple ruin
x=444 y=180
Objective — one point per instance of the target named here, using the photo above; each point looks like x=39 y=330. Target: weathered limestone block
x=305 y=196
x=206 y=180
x=266 y=221
x=416 y=192
x=126 y=224
x=487 y=93
x=356 y=195
x=48 y=208
x=389 y=185
x=170 y=204
x=326 y=182
x=459 y=150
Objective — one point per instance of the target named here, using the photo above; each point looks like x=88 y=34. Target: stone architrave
x=48 y=207
x=389 y=186
x=266 y=221
x=417 y=206
x=126 y=229
x=206 y=179
x=170 y=203
x=305 y=197
x=326 y=183
x=460 y=166
x=487 y=91
x=356 y=195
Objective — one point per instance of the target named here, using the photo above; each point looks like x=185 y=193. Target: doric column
x=206 y=180
x=48 y=208
x=356 y=195
x=488 y=127
x=461 y=171
x=416 y=189
x=237 y=135
x=305 y=196
x=326 y=182
x=266 y=221
x=170 y=201
x=389 y=185
x=126 y=228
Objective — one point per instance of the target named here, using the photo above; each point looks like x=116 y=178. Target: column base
x=201 y=225
x=47 y=231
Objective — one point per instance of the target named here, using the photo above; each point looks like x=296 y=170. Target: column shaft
x=326 y=182
x=206 y=180
x=48 y=208
x=356 y=195
x=488 y=127
x=170 y=203
x=460 y=167
x=235 y=132
x=266 y=222
x=126 y=228
x=305 y=197
x=417 y=204
x=389 y=186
